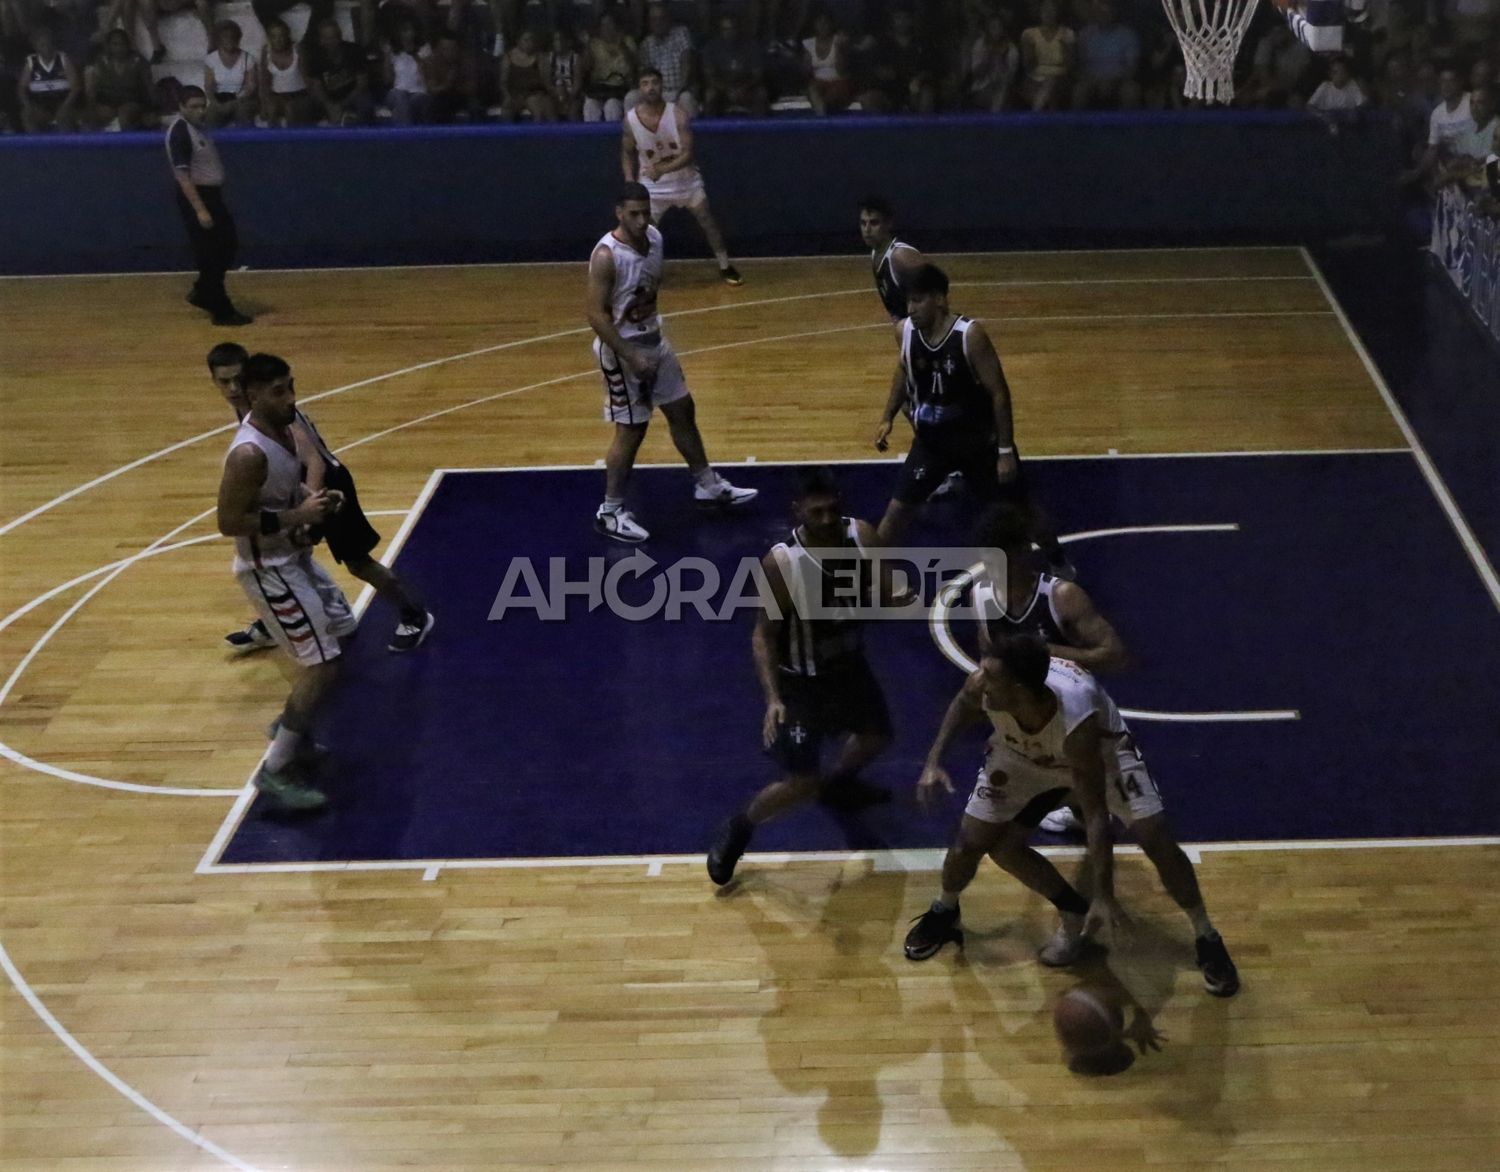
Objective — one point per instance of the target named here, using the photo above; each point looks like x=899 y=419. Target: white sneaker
x=1061 y=821
x=1065 y=947
x=620 y=525
x=953 y=483
x=725 y=494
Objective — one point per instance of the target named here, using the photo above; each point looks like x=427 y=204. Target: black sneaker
x=195 y=299
x=232 y=317
x=731 y=275
x=729 y=845
x=411 y=635
x=255 y=637
x=1220 y=977
x=934 y=928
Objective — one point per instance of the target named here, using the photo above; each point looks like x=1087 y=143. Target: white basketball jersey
x=661 y=146
x=1079 y=696
x=282 y=490
x=637 y=279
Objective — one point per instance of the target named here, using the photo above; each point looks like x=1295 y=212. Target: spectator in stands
x=1468 y=149
x=336 y=79
x=1340 y=92
x=734 y=68
x=1278 y=72
x=49 y=89
x=452 y=92
x=1165 y=73
x=1449 y=119
x=1408 y=105
x=1109 y=60
x=480 y=45
x=230 y=79
x=991 y=67
x=668 y=47
x=523 y=85
x=564 y=75
x=118 y=86
x=902 y=70
x=1473 y=21
x=1047 y=50
x=13 y=46
x=406 y=84
x=611 y=69
x=283 y=86
x=825 y=58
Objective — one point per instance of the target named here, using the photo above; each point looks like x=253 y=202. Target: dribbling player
x=1056 y=732
x=640 y=369
x=656 y=150
x=264 y=506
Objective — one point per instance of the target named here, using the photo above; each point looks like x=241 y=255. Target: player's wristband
x=1004 y=450
x=270 y=522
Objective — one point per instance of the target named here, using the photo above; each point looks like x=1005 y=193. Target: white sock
x=612 y=504
x=707 y=479
x=723 y=258
x=949 y=899
x=1202 y=925
x=282 y=749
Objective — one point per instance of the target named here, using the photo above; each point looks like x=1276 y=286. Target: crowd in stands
x=98 y=64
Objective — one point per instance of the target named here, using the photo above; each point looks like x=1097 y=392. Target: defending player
x=812 y=670
x=892 y=261
x=640 y=369
x=951 y=380
x=264 y=506
x=1056 y=732
x=656 y=149
x=350 y=536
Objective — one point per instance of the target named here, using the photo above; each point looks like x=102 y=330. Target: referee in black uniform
x=200 y=200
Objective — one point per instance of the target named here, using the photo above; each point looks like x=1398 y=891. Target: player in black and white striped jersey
x=812 y=670
x=350 y=536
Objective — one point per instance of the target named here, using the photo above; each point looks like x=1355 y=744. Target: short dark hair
x=186 y=93
x=263 y=369
x=1005 y=526
x=879 y=205
x=633 y=193
x=227 y=354
x=1026 y=660
x=649 y=71
x=927 y=281
x=817 y=480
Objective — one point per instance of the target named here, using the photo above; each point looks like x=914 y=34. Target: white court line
x=942 y=634
x=1429 y=470
x=901 y=859
x=109 y=1076
x=581 y=265
x=246 y=794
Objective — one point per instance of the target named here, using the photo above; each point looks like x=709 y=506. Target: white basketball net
x=1210 y=32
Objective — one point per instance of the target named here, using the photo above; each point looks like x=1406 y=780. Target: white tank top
x=290 y=79
x=228 y=79
x=282 y=490
x=637 y=278
x=826 y=67
x=659 y=146
x=1079 y=696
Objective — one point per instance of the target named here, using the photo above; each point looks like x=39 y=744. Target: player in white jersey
x=264 y=506
x=350 y=536
x=656 y=150
x=640 y=368
x=1056 y=732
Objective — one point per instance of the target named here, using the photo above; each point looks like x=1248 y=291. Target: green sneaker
x=286 y=791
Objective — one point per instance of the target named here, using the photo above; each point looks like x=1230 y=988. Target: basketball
x=1086 y=1023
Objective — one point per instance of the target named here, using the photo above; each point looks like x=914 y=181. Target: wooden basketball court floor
x=608 y=1017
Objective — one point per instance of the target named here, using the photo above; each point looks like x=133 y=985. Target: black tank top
x=887 y=284
x=816 y=646
x=1036 y=618
x=946 y=398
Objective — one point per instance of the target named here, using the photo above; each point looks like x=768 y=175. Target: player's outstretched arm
x=764 y=641
x=964 y=710
x=1096 y=645
x=1085 y=753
